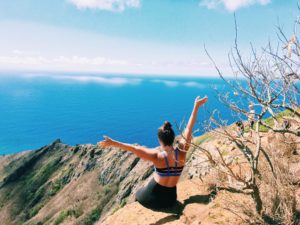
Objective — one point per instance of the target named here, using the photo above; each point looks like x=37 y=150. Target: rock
x=148 y=172
x=297 y=193
x=90 y=165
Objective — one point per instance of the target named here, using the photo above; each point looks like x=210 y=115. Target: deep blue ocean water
x=35 y=110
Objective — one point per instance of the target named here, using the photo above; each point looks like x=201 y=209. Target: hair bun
x=166 y=134
x=167 y=125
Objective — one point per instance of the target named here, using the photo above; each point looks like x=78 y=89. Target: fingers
x=204 y=99
x=106 y=138
x=107 y=142
x=201 y=100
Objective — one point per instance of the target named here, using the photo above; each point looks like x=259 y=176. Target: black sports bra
x=169 y=171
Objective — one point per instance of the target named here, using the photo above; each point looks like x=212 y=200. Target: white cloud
x=168 y=83
x=173 y=83
x=193 y=84
x=88 y=61
x=116 y=81
x=21 y=58
x=119 y=81
x=110 y=5
x=232 y=5
x=113 y=80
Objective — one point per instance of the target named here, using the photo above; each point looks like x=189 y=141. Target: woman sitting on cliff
x=168 y=163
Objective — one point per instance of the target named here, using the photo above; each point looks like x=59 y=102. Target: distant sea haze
x=36 y=109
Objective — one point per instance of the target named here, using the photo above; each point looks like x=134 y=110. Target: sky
x=156 y=37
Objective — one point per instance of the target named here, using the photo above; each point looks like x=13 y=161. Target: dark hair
x=166 y=134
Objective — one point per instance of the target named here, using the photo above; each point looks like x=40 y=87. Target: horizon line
x=103 y=73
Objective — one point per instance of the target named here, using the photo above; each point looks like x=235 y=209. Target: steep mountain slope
x=60 y=183
x=84 y=184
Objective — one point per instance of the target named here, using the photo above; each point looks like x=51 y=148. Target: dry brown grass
x=279 y=192
x=79 y=194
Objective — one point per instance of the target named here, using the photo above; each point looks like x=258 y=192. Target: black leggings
x=156 y=196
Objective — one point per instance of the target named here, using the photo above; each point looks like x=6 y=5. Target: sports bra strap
x=167 y=162
x=176 y=157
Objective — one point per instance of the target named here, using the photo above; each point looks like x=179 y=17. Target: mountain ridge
x=86 y=184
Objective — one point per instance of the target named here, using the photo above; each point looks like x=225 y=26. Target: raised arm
x=144 y=153
x=186 y=137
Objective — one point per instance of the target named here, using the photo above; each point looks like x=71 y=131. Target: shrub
x=61 y=217
x=109 y=191
x=69 y=213
x=123 y=203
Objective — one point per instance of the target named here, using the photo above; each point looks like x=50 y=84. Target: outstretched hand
x=200 y=101
x=107 y=142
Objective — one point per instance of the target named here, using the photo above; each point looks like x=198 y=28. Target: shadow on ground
x=177 y=210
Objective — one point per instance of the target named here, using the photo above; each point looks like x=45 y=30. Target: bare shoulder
x=181 y=154
x=160 y=158
x=160 y=154
x=181 y=149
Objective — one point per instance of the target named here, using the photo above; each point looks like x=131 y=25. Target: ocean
x=36 y=109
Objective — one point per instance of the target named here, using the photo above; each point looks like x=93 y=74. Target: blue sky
x=134 y=36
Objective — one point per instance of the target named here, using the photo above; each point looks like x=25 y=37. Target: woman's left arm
x=144 y=153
